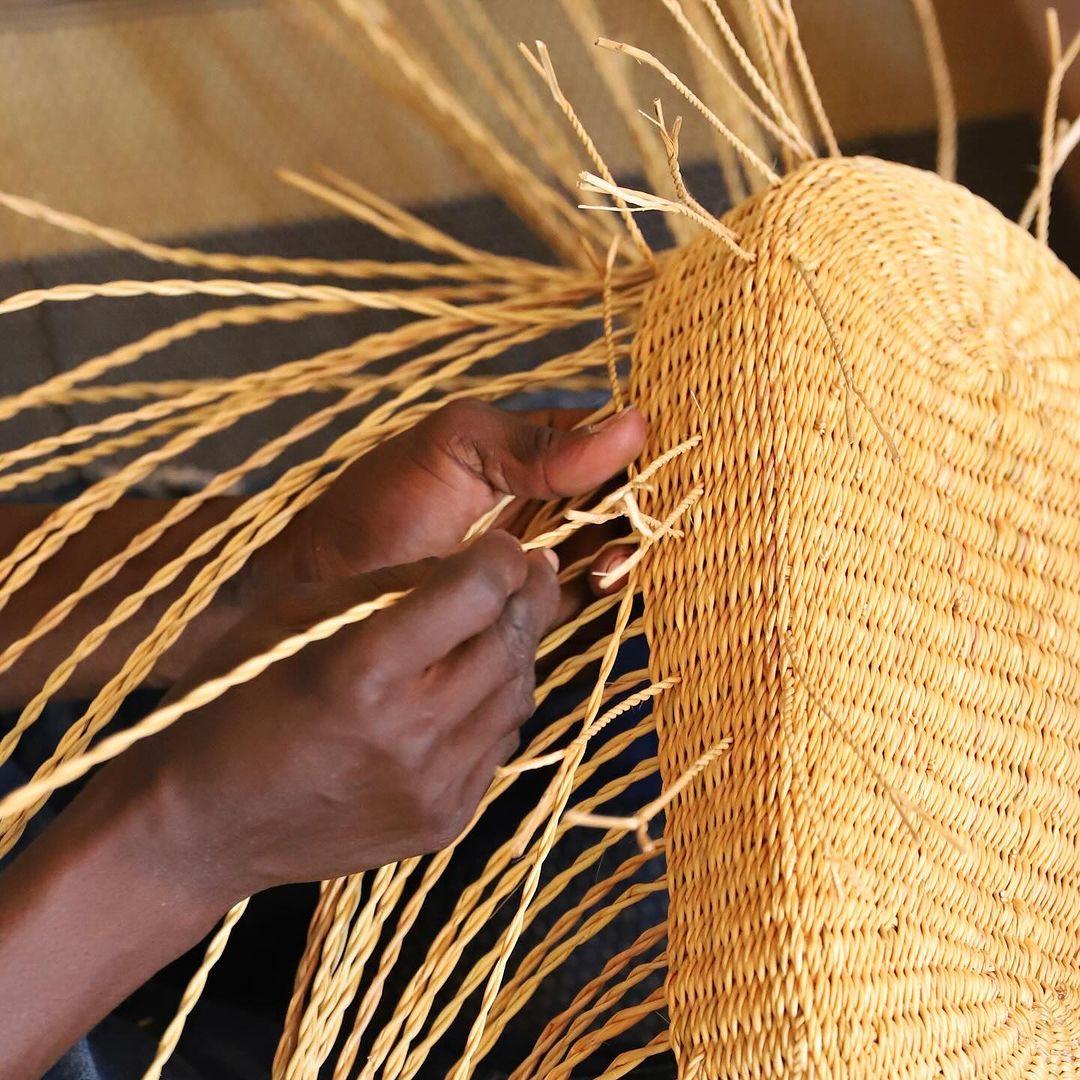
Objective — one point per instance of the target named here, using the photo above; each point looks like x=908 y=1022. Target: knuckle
x=454 y=432
x=499 y=547
x=488 y=594
x=541 y=440
x=525 y=696
x=342 y=687
x=415 y=746
x=516 y=634
x=496 y=565
x=367 y=688
x=412 y=758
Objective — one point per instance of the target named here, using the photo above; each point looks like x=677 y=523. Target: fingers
x=608 y=563
x=459 y=597
x=594 y=549
x=475 y=783
x=418 y=493
x=502 y=659
x=462 y=781
x=491 y=730
x=512 y=454
x=505 y=653
x=476 y=699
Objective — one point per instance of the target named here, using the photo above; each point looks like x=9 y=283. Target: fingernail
x=551 y=557
x=605 y=567
x=608 y=421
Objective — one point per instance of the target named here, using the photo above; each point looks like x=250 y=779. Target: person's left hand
x=368 y=747
x=416 y=495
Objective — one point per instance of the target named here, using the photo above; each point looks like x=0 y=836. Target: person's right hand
x=373 y=745
x=415 y=495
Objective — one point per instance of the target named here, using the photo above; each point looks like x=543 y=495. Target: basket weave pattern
x=880 y=879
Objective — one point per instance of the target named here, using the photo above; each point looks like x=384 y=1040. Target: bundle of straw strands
x=857 y=570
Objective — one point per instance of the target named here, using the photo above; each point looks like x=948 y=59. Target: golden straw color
x=857 y=547
x=881 y=878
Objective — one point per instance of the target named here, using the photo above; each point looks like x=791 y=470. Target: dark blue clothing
x=232 y=1033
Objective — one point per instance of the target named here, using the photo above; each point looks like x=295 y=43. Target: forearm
x=107 y=535
x=97 y=904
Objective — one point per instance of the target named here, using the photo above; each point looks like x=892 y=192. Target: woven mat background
x=168 y=118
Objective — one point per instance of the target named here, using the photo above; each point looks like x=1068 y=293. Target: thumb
x=513 y=454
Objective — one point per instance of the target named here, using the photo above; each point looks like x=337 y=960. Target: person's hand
x=371 y=746
x=417 y=494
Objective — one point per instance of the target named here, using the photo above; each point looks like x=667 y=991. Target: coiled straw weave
x=858 y=555
x=881 y=878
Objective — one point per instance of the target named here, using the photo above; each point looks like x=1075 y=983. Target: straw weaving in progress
x=857 y=572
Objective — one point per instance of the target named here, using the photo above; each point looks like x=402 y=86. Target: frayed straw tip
x=612 y=46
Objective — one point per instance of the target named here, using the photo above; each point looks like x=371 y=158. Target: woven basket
x=881 y=877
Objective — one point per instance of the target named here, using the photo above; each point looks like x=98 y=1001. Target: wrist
x=157 y=838
x=106 y=864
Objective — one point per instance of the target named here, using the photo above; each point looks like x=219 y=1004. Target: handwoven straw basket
x=881 y=878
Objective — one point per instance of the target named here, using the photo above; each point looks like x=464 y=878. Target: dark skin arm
x=107 y=535
x=364 y=749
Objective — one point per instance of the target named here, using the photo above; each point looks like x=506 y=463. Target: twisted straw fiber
x=892 y=645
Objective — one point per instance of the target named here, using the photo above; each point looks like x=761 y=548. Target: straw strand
x=171 y=1037
x=744 y=151
x=944 y=98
